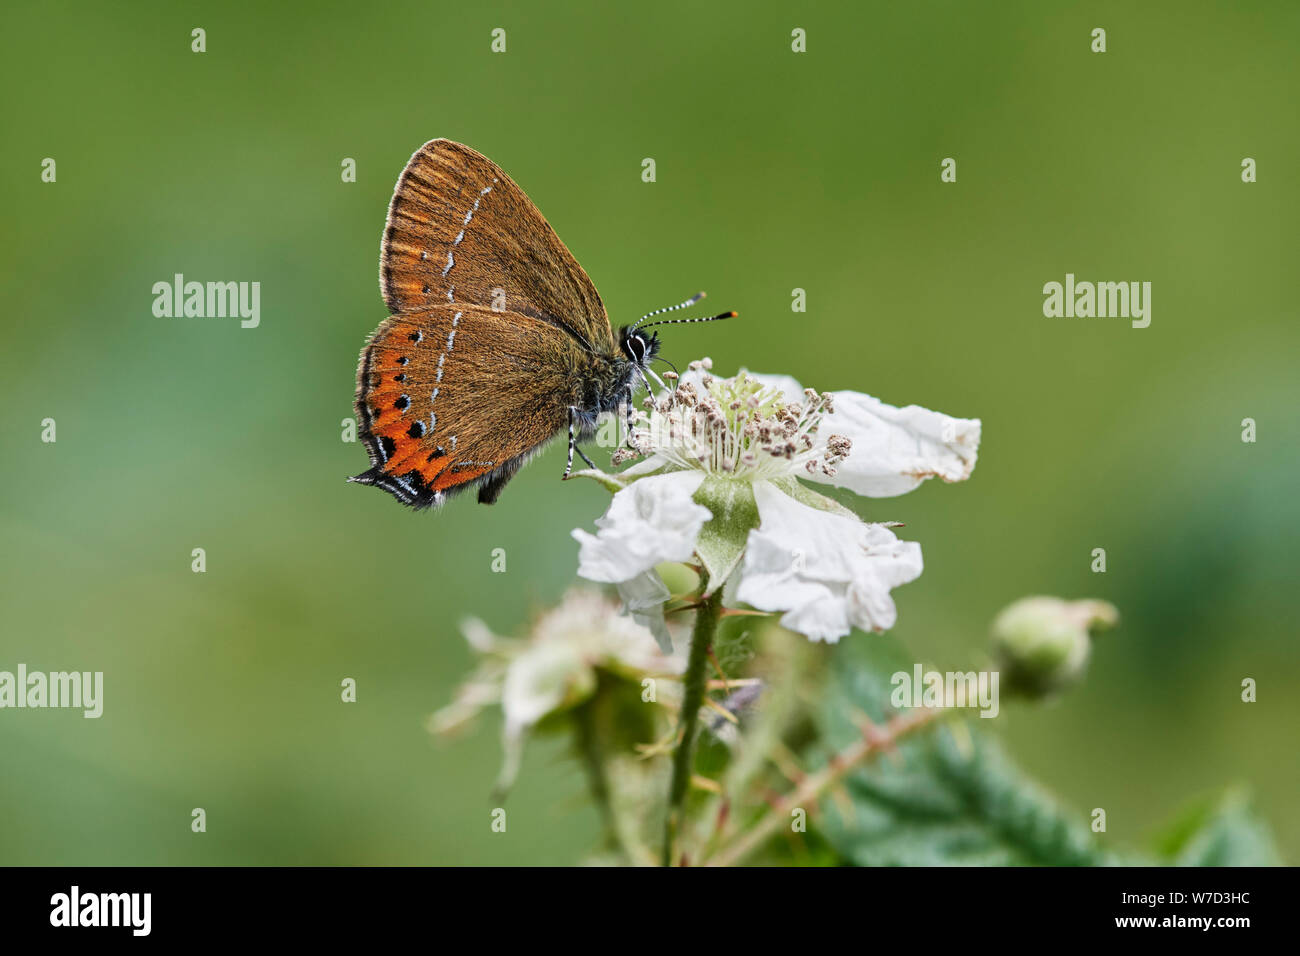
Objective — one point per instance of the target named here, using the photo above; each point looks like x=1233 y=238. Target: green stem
x=694 y=680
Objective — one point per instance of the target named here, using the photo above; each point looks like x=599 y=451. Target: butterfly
x=497 y=338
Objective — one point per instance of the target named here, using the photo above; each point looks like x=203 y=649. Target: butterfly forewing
x=456 y=393
x=461 y=232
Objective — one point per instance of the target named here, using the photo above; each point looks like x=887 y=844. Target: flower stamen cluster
x=739 y=427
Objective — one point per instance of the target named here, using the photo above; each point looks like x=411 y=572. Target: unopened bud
x=1043 y=643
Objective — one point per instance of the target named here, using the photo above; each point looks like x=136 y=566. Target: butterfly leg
x=631 y=408
x=573 y=444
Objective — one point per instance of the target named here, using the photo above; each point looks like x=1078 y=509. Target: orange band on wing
x=406 y=449
x=450 y=478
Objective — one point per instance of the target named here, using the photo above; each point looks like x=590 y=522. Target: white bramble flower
x=720 y=481
x=552 y=671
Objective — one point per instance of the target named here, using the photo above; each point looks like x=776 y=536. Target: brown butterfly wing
x=461 y=232
x=461 y=394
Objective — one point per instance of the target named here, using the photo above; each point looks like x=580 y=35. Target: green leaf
x=1223 y=831
x=951 y=798
x=722 y=539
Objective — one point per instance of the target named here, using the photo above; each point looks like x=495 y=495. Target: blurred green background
x=776 y=170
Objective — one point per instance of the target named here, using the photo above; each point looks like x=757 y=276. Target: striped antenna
x=711 y=318
x=672 y=308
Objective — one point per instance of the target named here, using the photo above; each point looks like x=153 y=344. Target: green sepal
x=722 y=539
x=611 y=483
x=806 y=496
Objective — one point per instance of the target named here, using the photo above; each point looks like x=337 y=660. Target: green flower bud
x=1043 y=643
x=678 y=578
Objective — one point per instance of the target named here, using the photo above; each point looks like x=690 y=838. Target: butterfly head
x=639 y=347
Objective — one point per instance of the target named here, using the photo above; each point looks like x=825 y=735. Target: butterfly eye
x=636 y=349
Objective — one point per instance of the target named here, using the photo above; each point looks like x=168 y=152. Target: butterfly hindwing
x=461 y=232
x=460 y=394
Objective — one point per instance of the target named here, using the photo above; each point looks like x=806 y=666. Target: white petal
x=651 y=521
x=895 y=449
x=787 y=385
x=645 y=590
x=541 y=680
x=652 y=619
x=643 y=598
x=478 y=635
x=827 y=572
x=544 y=679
